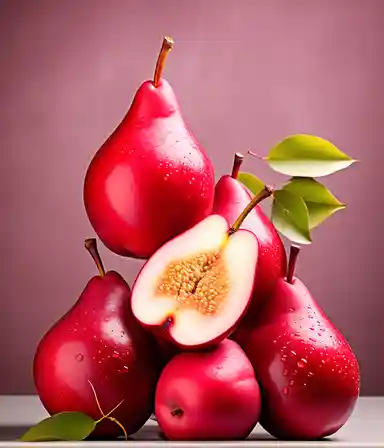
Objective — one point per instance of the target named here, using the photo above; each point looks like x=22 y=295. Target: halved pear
x=196 y=287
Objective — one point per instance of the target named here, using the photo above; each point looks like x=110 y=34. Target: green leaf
x=253 y=183
x=307 y=156
x=290 y=216
x=61 y=426
x=321 y=203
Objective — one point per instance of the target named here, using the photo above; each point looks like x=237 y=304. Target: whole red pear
x=150 y=180
x=208 y=395
x=99 y=344
x=308 y=373
x=230 y=199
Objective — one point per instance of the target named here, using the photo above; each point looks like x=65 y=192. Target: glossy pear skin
x=307 y=370
x=230 y=200
x=150 y=181
x=216 y=392
x=98 y=340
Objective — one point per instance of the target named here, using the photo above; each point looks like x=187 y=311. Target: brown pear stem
x=238 y=160
x=165 y=49
x=91 y=246
x=264 y=194
x=294 y=252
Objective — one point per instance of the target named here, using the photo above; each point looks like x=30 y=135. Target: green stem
x=264 y=193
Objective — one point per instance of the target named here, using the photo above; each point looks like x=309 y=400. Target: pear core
x=200 y=281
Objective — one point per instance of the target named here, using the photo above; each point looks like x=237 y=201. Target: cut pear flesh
x=200 y=282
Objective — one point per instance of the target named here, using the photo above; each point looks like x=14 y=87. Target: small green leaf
x=253 y=183
x=321 y=203
x=307 y=156
x=61 y=426
x=290 y=216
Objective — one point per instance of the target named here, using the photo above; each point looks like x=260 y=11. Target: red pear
x=98 y=344
x=210 y=395
x=150 y=180
x=230 y=199
x=307 y=370
x=196 y=288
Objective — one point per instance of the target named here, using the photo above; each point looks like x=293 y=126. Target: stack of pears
x=217 y=333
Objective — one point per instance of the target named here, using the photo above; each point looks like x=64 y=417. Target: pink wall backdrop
x=247 y=73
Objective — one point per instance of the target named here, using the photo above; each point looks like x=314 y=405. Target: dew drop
x=301 y=363
x=323 y=361
x=312 y=339
x=126 y=368
x=219 y=367
x=319 y=334
x=310 y=374
x=304 y=384
x=274 y=341
x=285 y=373
x=283 y=358
x=293 y=352
x=291 y=310
x=292 y=383
x=79 y=357
x=312 y=328
x=286 y=391
x=294 y=372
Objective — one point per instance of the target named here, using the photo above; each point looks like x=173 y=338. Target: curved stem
x=294 y=252
x=91 y=246
x=165 y=49
x=108 y=416
x=264 y=193
x=238 y=160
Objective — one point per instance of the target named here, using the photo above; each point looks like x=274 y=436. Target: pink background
x=247 y=73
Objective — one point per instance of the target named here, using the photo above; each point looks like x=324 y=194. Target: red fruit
x=230 y=199
x=211 y=395
x=195 y=289
x=307 y=370
x=150 y=180
x=98 y=342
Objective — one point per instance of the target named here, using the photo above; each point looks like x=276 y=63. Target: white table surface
x=364 y=429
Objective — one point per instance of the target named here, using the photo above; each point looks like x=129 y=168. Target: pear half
x=196 y=287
